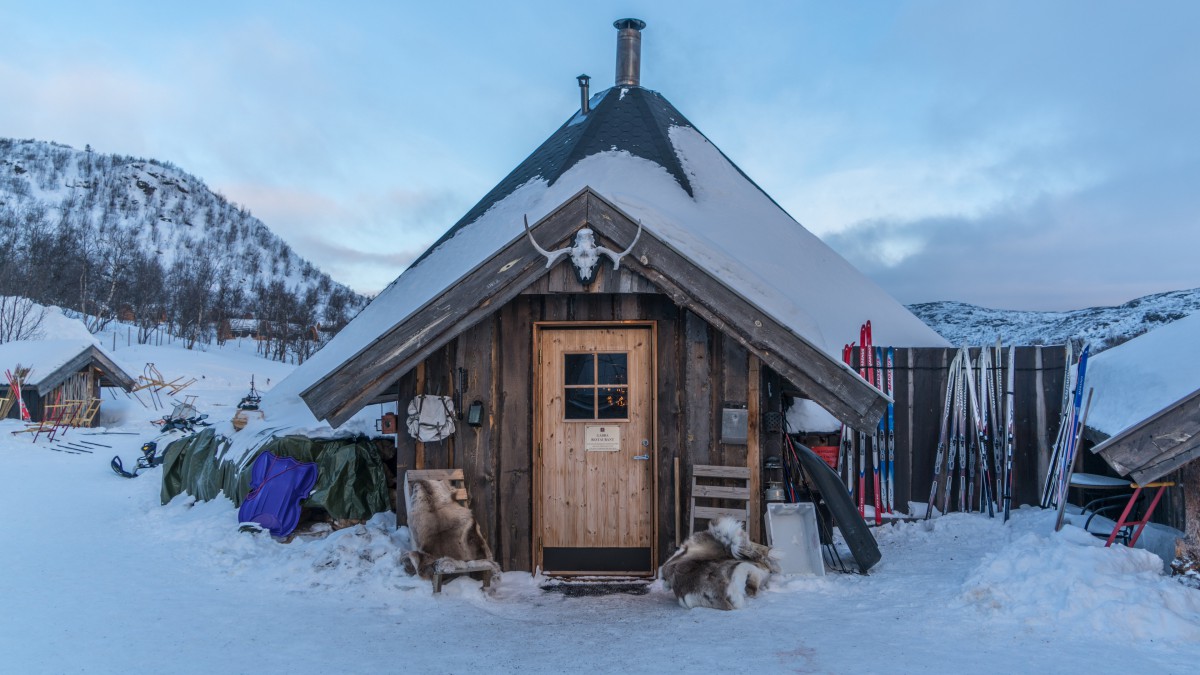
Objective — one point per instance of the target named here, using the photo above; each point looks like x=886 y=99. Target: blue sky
x=1023 y=155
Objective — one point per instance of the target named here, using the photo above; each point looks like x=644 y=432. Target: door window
x=596 y=386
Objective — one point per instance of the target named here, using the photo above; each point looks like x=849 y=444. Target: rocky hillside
x=1102 y=327
x=112 y=235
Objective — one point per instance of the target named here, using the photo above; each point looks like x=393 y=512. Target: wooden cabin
x=60 y=371
x=598 y=387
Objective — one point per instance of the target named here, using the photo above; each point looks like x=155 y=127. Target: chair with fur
x=719 y=567
x=447 y=542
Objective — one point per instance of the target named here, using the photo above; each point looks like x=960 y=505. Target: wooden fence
x=919 y=382
x=919 y=378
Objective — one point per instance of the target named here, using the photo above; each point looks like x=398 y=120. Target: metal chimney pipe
x=583 y=93
x=629 y=51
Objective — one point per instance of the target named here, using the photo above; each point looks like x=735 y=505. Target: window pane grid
x=596 y=386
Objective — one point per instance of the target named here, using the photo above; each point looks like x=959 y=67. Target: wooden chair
x=458 y=482
x=82 y=412
x=709 y=483
x=53 y=415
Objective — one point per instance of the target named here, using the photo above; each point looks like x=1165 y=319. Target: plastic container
x=792 y=532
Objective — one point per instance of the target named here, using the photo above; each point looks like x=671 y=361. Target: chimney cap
x=622 y=24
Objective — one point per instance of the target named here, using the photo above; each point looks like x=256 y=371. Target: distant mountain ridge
x=108 y=234
x=1102 y=327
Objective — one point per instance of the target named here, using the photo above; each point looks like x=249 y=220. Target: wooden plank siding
x=699 y=370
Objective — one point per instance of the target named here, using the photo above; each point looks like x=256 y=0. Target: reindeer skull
x=584 y=253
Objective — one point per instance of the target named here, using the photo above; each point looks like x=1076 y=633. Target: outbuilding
x=59 y=371
x=1145 y=418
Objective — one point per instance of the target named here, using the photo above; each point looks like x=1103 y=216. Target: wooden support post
x=419 y=461
x=753 y=443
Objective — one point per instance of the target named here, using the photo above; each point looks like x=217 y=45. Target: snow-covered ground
x=97 y=576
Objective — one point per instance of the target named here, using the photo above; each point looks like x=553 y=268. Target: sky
x=1012 y=154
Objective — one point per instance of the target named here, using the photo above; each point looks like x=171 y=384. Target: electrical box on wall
x=734 y=424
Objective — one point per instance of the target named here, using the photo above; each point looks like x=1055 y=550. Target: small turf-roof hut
x=598 y=396
x=60 y=371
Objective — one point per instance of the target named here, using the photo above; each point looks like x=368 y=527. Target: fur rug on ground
x=444 y=533
x=718 y=568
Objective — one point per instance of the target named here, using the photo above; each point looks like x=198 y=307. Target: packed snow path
x=98 y=577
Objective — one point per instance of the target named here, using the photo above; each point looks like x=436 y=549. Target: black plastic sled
x=845 y=514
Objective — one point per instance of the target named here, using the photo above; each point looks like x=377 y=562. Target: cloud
x=108 y=107
x=1131 y=235
x=364 y=240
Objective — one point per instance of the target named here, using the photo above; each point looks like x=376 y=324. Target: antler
x=551 y=256
x=616 y=257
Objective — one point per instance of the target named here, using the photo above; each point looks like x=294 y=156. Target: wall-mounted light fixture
x=475 y=414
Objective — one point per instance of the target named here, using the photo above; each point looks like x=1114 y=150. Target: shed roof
x=1134 y=380
x=636 y=152
x=53 y=361
x=1146 y=400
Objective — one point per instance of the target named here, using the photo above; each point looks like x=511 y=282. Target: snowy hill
x=1102 y=327
x=111 y=234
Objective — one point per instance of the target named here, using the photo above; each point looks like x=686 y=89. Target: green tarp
x=351 y=482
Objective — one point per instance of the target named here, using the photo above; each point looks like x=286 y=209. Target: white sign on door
x=602 y=439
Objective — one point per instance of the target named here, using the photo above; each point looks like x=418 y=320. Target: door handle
x=642 y=457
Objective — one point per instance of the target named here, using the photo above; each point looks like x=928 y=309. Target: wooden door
x=595 y=432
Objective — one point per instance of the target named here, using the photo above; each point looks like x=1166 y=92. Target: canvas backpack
x=430 y=418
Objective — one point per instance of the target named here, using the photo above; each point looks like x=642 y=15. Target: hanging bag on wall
x=430 y=418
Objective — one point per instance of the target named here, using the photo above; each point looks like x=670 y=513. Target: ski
x=1068 y=460
x=941 y=446
x=979 y=417
x=971 y=443
x=1008 y=447
x=960 y=411
x=891 y=434
x=14 y=384
x=996 y=382
x=1065 y=419
x=862 y=436
x=879 y=433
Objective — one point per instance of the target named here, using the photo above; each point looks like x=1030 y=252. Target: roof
x=629 y=119
x=1157 y=445
x=1146 y=400
x=636 y=152
x=53 y=361
x=1135 y=380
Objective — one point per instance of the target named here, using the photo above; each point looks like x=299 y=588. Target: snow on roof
x=1137 y=379
x=43 y=356
x=730 y=227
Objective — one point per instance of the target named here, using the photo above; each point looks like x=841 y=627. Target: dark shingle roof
x=632 y=119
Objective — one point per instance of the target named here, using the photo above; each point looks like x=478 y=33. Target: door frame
x=538 y=405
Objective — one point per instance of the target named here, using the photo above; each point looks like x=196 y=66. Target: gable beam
x=840 y=391
x=359 y=380
x=1157 y=445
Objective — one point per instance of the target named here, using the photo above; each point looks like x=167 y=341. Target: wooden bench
x=709 y=484
x=458 y=482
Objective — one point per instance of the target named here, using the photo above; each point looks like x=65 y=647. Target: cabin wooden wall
x=699 y=370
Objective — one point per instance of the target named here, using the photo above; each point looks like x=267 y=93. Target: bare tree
x=20 y=319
